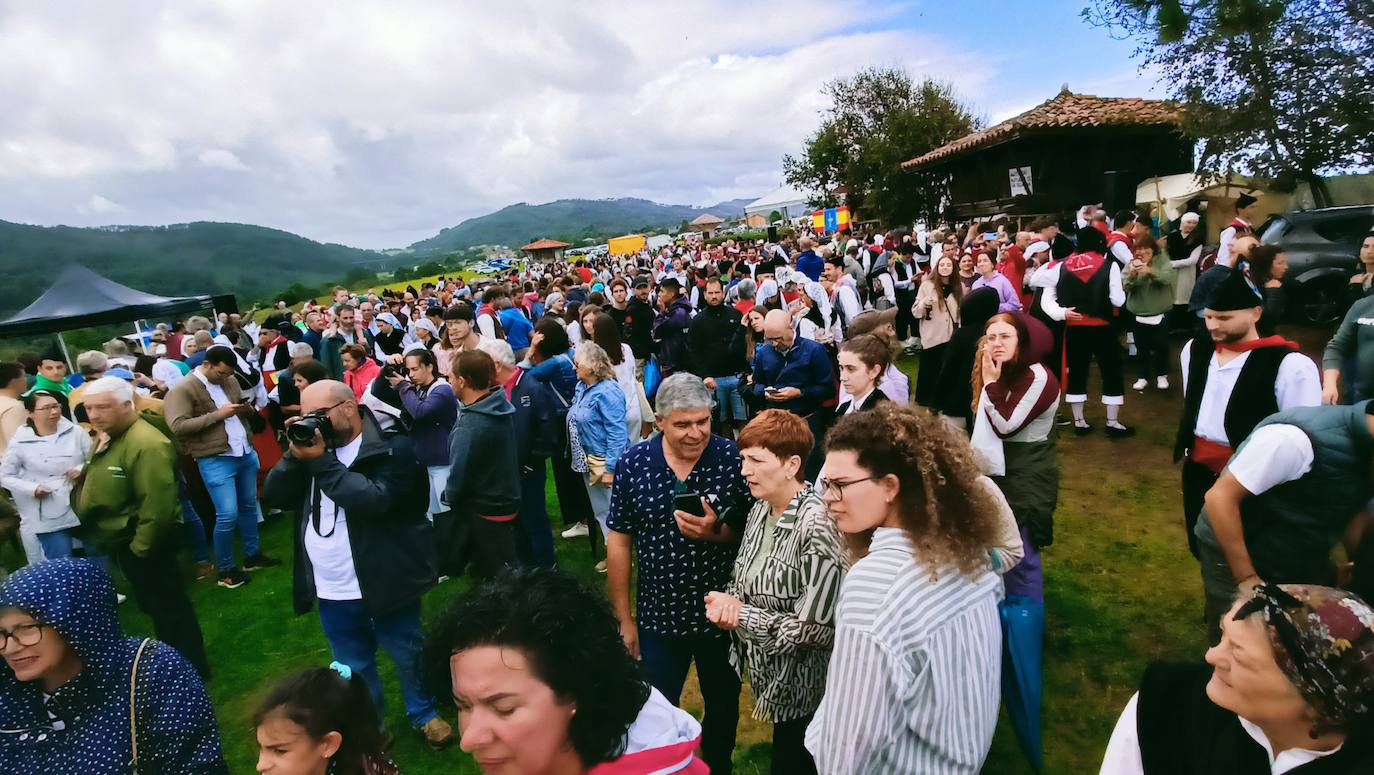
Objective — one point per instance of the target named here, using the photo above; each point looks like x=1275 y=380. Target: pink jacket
x=360 y=378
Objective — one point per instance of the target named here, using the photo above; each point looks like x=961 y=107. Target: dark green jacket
x=1291 y=528
x=128 y=494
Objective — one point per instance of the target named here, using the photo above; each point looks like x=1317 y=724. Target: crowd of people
x=770 y=498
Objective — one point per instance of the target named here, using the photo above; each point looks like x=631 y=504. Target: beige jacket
x=194 y=419
x=937 y=318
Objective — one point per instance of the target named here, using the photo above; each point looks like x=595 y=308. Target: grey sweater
x=1353 y=347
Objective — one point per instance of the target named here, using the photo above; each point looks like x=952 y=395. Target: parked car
x=1323 y=246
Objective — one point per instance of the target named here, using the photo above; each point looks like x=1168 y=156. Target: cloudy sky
x=376 y=124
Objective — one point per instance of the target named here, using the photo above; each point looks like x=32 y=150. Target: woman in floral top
x=780 y=602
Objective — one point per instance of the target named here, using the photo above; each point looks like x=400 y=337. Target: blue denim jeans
x=190 y=520
x=536 y=534
x=354 y=635
x=729 y=402
x=233 y=485
x=58 y=544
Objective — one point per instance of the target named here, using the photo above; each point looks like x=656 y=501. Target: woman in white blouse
x=914 y=681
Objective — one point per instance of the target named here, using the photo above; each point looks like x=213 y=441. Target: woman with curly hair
x=914 y=681
x=544 y=683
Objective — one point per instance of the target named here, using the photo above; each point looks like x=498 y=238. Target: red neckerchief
x=512 y=382
x=1255 y=344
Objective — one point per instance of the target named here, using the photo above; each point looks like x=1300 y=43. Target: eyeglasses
x=828 y=486
x=24 y=634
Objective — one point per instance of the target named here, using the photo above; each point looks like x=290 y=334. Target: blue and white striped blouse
x=914 y=681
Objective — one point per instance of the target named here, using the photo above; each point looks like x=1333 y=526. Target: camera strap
x=315 y=497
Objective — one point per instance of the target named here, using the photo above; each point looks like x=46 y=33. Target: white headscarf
x=766 y=291
x=821 y=299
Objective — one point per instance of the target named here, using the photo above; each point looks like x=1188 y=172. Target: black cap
x=1235 y=291
x=53 y=353
x=641 y=282
x=1245 y=200
x=1090 y=240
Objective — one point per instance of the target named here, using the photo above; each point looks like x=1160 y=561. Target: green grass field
x=1121 y=591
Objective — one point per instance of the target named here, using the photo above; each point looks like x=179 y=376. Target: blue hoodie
x=176 y=725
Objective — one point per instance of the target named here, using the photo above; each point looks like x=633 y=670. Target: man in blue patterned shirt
x=682 y=557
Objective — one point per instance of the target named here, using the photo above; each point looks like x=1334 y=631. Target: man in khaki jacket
x=208 y=415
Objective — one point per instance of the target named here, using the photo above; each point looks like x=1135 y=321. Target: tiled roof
x=1067 y=110
x=706 y=219
x=545 y=244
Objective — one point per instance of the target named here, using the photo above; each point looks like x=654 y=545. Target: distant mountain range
x=182 y=259
x=255 y=262
x=570 y=220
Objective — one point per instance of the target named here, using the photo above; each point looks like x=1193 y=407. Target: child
x=320 y=722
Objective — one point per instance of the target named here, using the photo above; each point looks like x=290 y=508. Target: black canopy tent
x=81 y=298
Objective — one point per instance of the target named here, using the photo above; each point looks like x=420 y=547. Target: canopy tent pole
x=62 y=344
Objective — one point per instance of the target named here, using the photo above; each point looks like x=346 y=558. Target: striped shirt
x=914 y=682
x=787 y=622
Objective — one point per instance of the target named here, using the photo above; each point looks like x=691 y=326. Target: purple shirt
x=1010 y=301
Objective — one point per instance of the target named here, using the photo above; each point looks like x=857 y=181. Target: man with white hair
x=679 y=504
x=128 y=506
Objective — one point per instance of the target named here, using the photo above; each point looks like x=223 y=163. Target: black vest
x=1182 y=732
x=1091 y=297
x=1255 y=386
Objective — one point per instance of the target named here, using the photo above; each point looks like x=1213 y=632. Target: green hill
x=181 y=259
x=571 y=220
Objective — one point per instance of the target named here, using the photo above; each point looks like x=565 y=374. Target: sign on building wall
x=1020 y=181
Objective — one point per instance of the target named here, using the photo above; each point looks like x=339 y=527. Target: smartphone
x=771 y=390
x=689 y=502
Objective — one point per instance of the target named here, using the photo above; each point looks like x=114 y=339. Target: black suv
x=1323 y=248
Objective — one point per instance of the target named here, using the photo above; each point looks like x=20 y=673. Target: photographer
x=433 y=409
x=363 y=545
x=209 y=415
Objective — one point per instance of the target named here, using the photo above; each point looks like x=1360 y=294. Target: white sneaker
x=1162 y=383
x=1139 y=384
x=576 y=531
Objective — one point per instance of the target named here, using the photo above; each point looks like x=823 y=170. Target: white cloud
x=379 y=123
x=99 y=205
x=221 y=158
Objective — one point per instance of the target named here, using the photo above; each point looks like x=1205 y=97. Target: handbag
x=133 y=699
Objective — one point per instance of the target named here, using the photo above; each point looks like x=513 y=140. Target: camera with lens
x=392 y=370
x=302 y=431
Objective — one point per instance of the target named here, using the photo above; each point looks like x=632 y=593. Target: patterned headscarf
x=1323 y=641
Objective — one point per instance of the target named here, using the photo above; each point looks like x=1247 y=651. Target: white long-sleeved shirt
x=1298 y=384
x=1049 y=301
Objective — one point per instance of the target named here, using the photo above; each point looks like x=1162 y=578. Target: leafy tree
x=359 y=275
x=1279 y=89
x=428 y=268
x=774 y=217
x=294 y=294
x=878 y=119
